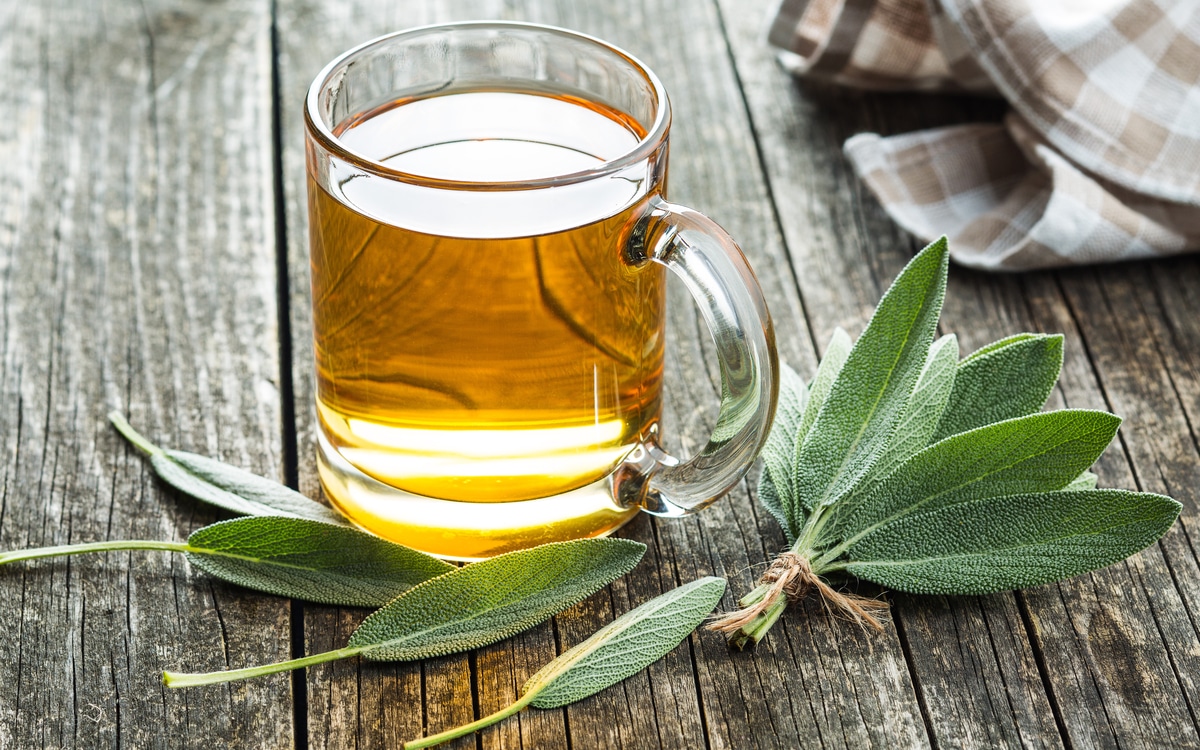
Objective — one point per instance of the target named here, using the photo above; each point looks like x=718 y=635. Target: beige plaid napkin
x=1099 y=159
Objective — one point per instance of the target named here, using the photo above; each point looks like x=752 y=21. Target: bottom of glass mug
x=466 y=531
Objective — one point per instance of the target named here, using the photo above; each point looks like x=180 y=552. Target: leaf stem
x=132 y=435
x=78 y=549
x=755 y=596
x=754 y=631
x=811 y=531
x=192 y=679
x=829 y=567
x=825 y=562
x=475 y=726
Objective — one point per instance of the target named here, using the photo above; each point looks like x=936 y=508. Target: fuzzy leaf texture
x=768 y=497
x=868 y=396
x=291 y=557
x=1038 y=453
x=836 y=354
x=779 y=449
x=626 y=646
x=1085 y=481
x=620 y=650
x=488 y=601
x=924 y=409
x=1005 y=379
x=829 y=368
x=310 y=560
x=226 y=486
x=997 y=544
x=468 y=607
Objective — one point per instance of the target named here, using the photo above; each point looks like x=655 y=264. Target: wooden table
x=153 y=260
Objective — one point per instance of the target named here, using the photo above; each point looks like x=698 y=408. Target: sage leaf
x=1085 y=481
x=1005 y=379
x=1038 y=453
x=997 y=544
x=828 y=369
x=625 y=646
x=310 y=560
x=836 y=354
x=768 y=497
x=930 y=475
x=924 y=408
x=616 y=652
x=494 y=599
x=225 y=486
x=469 y=607
x=999 y=344
x=291 y=557
x=870 y=392
x=780 y=447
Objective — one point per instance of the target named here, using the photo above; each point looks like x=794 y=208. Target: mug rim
x=644 y=149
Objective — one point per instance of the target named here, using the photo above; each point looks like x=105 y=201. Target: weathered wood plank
x=1137 y=631
x=136 y=272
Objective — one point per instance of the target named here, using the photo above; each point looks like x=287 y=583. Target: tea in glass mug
x=489 y=243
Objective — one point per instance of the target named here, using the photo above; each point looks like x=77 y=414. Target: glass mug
x=489 y=240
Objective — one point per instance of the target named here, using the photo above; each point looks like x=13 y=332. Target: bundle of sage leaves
x=295 y=547
x=901 y=465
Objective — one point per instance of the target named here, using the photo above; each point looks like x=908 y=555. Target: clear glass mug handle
x=714 y=270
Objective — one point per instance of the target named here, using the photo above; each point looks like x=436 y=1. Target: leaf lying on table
x=906 y=468
x=624 y=647
x=469 y=607
x=292 y=557
x=430 y=607
x=223 y=485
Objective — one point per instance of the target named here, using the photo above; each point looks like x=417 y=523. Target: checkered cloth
x=1099 y=159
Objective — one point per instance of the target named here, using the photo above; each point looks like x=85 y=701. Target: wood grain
x=136 y=272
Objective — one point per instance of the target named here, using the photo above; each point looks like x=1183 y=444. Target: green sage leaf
x=792 y=514
x=625 y=646
x=999 y=344
x=1085 y=481
x=768 y=497
x=997 y=544
x=869 y=394
x=491 y=600
x=828 y=369
x=468 y=607
x=619 y=650
x=237 y=490
x=924 y=408
x=780 y=447
x=1005 y=379
x=310 y=560
x=1037 y=453
x=226 y=486
x=291 y=557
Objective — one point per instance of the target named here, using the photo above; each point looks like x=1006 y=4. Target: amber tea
x=478 y=369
